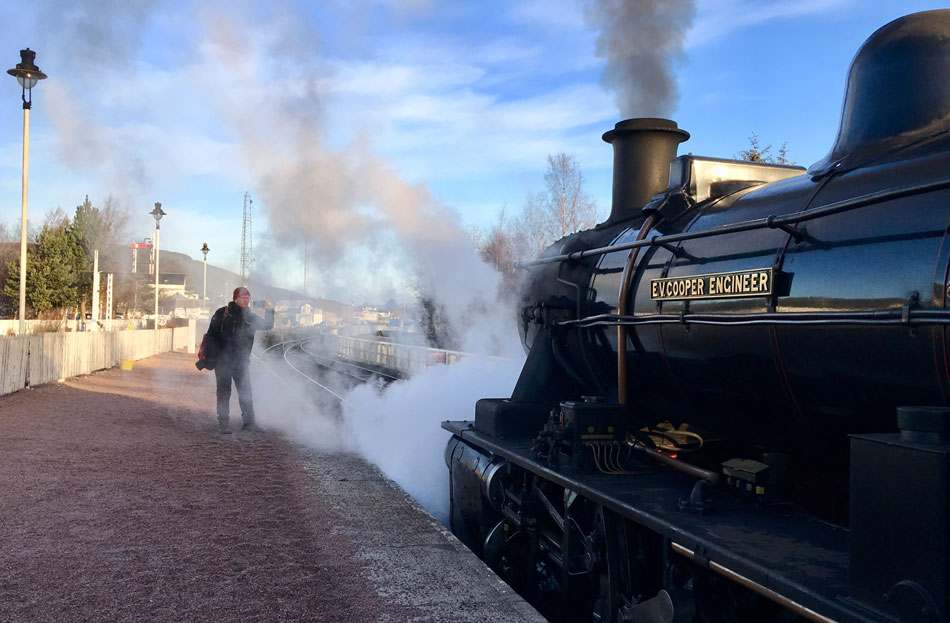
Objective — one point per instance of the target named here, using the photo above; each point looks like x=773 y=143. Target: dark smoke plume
x=641 y=40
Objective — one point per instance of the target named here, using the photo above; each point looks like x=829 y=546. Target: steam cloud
x=347 y=204
x=353 y=208
x=641 y=40
x=261 y=75
x=92 y=43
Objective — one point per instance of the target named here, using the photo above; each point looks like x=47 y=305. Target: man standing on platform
x=232 y=335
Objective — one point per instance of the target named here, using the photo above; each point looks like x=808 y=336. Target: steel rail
x=279 y=377
x=344 y=363
x=321 y=362
x=313 y=380
x=288 y=346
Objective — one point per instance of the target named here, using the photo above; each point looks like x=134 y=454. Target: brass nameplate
x=757 y=282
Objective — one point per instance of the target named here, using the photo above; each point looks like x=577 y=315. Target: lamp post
x=27 y=74
x=158 y=214
x=204 y=285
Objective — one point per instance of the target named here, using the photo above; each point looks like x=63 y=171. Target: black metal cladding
x=814 y=379
x=867 y=239
x=854 y=328
x=900 y=486
x=854 y=263
x=897 y=90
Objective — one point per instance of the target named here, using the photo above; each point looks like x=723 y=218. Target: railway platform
x=120 y=501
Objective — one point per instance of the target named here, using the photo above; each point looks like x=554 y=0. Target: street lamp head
x=205 y=249
x=157 y=213
x=26 y=72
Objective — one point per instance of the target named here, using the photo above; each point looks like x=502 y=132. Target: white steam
x=396 y=428
x=344 y=203
x=256 y=78
x=352 y=207
x=399 y=429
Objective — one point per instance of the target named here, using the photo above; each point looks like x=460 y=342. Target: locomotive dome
x=897 y=91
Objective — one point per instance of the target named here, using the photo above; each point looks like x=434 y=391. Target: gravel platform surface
x=120 y=501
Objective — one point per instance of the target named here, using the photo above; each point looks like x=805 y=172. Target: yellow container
x=126 y=364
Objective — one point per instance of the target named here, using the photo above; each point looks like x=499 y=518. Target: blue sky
x=375 y=129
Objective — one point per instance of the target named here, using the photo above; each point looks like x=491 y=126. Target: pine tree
x=757 y=153
x=54 y=272
x=90 y=229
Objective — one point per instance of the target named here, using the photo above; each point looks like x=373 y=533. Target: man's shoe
x=251 y=427
x=224 y=428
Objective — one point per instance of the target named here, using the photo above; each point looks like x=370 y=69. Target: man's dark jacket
x=231 y=333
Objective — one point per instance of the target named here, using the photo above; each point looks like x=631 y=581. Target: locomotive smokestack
x=643 y=150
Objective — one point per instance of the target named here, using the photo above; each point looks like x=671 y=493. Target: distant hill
x=221 y=282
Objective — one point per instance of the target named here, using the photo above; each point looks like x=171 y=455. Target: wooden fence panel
x=47 y=357
x=13 y=363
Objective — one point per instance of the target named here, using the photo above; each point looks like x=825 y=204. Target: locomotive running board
x=784 y=552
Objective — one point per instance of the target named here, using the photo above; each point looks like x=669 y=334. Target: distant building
x=300 y=313
x=186 y=305
x=341 y=313
x=172 y=284
x=369 y=315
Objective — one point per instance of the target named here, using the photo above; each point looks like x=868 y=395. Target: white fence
x=12 y=326
x=401 y=357
x=46 y=357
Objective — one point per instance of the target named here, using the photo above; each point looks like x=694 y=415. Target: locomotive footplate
x=781 y=549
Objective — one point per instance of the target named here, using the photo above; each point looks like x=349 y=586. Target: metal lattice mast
x=306 y=268
x=247 y=251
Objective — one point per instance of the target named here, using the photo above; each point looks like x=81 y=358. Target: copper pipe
x=768 y=593
x=681 y=466
x=626 y=281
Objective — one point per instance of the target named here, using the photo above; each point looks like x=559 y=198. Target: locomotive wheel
x=599 y=571
x=507 y=554
x=613 y=576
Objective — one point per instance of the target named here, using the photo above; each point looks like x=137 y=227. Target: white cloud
x=558 y=17
x=716 y=19
x=396 y=79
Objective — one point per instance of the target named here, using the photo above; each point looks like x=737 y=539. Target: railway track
x=326 y=376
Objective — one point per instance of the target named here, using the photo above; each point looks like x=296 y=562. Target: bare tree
x=538 y=228
x=565 y=183
x=562 y=208
x=501 y=245
x=12 y=233
x=56 y=220
x=117 y=217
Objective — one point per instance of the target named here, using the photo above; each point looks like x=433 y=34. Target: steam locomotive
x=735 y=401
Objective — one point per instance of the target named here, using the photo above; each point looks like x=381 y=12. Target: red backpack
x=204 y=361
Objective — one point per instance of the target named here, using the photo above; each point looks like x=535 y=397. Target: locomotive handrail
x=770 y=222
x=883 y=317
